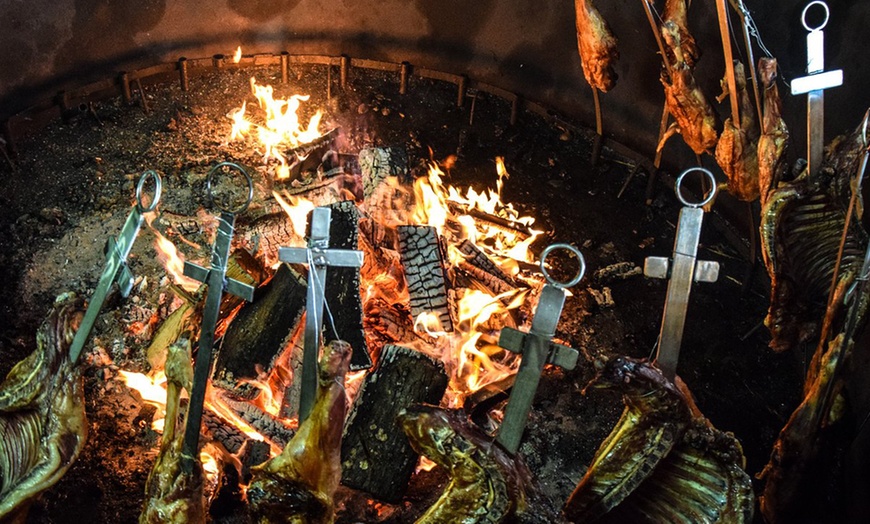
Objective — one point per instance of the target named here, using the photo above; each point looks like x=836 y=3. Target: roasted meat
x=676 y=11
x=736 y=151
x=298 y=485
x=663 y=461
x=774 y=133
x=597 y=46
x=801 y=227
x=42 y=414
x=487 y=485
x=694 y=117
x=171 y=494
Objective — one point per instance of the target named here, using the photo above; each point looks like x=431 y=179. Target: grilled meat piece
x=663 y=461
x=42 y=414
x=597 y=46
x=676 y=11
x=736 y=151
x=801 y=227
x=487 y=485
x=171 y=494
x=694 y=117
x=298 y=485
x=774 y=133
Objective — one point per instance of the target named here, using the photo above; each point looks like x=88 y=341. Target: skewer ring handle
x=235 y=167
x=580 y=270
x=678 y=187
x=824 y=21
x=140 y=188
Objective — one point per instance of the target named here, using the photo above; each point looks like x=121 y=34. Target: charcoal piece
x=378 y=163
x=267 y=425
x=254 y=453
x=256 y=337
x=222 y=432
x=376 y=455
x=478 y=259
x=343 y=285
x=422 y=259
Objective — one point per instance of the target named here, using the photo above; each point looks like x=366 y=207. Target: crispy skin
x=487 y=485
x=695 y=118
x=677 y=12
x=663 y=461
x=736 y=151
x=171 y=495
x=42 y=414
x=774 y=133
x=298 y=485
x=597 y=46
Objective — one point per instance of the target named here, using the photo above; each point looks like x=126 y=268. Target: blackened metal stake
x=537 y=349
x=684 y=269
x=215 y=278
x=116 y=269
x=319 y=257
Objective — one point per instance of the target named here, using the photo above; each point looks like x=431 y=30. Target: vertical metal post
x=183 y=74
x=403 y=77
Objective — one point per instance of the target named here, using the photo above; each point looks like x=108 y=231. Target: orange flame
x=152 y=389
x=173 y=262
x=237 y=56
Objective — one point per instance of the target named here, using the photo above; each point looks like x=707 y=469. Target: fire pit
x=398 y=218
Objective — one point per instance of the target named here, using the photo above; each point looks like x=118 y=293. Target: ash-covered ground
x=72 y=186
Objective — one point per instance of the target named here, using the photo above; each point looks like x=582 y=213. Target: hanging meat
x=42 y=414
x=487 y=485
x=774 y=133
x=172 y=495
x=736 y=151
x=597 y=46
x=676 y=11
x=298 y=485
x=801 y=227
x=663 y=461
x=695 y=119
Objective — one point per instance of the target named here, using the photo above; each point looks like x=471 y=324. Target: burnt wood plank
x=378 y=163
x=421 y=254
x=257 y=335
x=376 y=455
x=343 y=286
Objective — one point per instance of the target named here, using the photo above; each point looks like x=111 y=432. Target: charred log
x=379 y=163
x=267 y=425
x=422 y=259
x=343 y=286
x=376 y=455
x=258 y=335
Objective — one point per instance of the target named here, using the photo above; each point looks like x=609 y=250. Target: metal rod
x=125 y=88
x=750 y=57
x=722 y=12
x=285 y=67
x=142 y=96
x=183 y=75
x=218 y=60
x=403 y=78
x=462 y=86
x=599 y=127
x=654 y=27
x=328 y=82
x=344 y=68
x=515 y=110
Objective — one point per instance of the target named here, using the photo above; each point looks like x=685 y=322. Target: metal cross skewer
x=215 y=278
x=813 y=85
x=116 y=269
x=319 y=257
x=683 y=268
x=537 y=349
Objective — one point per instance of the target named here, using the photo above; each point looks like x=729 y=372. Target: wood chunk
x=257 y=336
x=378 y=163
x=343 y=286
x=422 y=259
x=491 y=282
x=478 y=259
x=270 y=427
x=376 y=455
x=222 y=432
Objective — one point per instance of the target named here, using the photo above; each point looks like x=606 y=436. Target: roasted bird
x=298 y=485
x=487 y=485
x=694 y=117
x=171 y=494
x=42 y=414
x=774 y=133
x=676 y=11
x=801 y=228
x=736 y=151
x=597 y=46
x=663 y=461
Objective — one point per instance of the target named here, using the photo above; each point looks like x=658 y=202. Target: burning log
x=486 y=483
x=392 y=323
x=257 y=336
x=42 y=414
x=299 y=484
x=422 y=259
x=378 y=163
x=376 y=455
x=267 y=425
x=343 y=286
